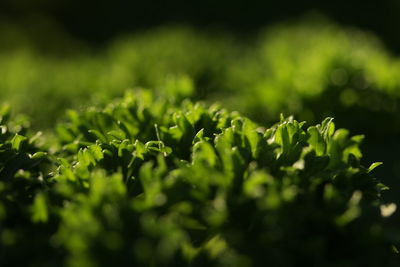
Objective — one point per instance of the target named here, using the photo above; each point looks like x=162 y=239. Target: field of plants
x=177 y=147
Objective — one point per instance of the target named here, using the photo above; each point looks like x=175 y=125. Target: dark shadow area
x=100 y=21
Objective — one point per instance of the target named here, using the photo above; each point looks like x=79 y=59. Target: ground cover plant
x=254 y=75
x=158 y=180
x=163 y=181
x=331 y=71
x=346 y=74
x=156 y=60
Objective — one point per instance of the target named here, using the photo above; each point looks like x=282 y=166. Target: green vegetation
x=151 y=181
x=291 y=69
x=156 y=177
x=155 y=60
x=300 y=69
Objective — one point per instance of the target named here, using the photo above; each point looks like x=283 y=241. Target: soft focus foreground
x=151 y=181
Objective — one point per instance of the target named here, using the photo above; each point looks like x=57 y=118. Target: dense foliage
x=165 y=182
x=261 y=76
x=312 y=70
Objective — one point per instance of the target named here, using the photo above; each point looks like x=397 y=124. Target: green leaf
x=316 y=141
x=17 y=141
x=374 y=165
x=4 y=113
x=140 y=149
x=199 y=136
x=39 y=209
x=203 y=151
x=38 y=155
x=327 y=128
x=85 y=157
x=99 y=135
x=118 y=134
x=96 y=151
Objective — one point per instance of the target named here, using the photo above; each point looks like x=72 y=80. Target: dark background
x=98 y=21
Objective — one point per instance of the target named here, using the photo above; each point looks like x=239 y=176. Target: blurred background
x=311 y=59
x=103 y=20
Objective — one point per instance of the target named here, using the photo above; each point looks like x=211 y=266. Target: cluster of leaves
x=23 y=167
x=345 y=74
x=146 y=181
x=158 y=59
x=264 y=77
x=330 y=72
